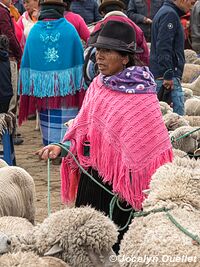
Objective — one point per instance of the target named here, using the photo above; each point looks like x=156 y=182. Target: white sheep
x=29 y=259
x=154 y=240
x=17 y=192
x=188 y=143
x=69 y=234
x=188 y=93
x=173 y=121
x=190 y=73
x=192 y=107
x=3 y=163
x=179 y=153
x=193 y=120
x=194 y=85
x=165 y=108
x=191 y=56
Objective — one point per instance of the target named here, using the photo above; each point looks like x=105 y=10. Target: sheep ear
x=197 y=152
x=146 y=191
x=54 y=250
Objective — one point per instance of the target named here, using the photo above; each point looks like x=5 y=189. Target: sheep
x=17 y=192
x=173 y=121
x=193 y=120
x=3 y=163
x=7 y=122
x=191 y=56
x=165 y=108
x=187 y=144
x=179 y=153
x=154 y=240
x=193 y=84
x=190 y=72
x=70 y=234
x=188 y=93
x=29 y=259
x=192 y=107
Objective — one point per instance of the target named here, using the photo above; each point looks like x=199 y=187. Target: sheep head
x=70 y=233
x=188 y=143
x=176 y=183
x=173 y=121
x=4 y=243
x=165 y=108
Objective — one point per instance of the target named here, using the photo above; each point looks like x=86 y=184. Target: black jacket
x=6 y=90
x=167 y=43
x=138 y=10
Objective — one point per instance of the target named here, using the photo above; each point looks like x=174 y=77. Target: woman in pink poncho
x=118 y=136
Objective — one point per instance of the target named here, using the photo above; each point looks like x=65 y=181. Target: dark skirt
x=90 y=193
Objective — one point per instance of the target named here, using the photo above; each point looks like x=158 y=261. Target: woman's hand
x=49 y=152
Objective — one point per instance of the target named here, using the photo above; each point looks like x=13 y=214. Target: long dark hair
x=133 y=59
x=68 y=3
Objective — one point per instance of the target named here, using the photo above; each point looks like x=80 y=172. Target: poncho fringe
x=126 y=147
x=50 y=83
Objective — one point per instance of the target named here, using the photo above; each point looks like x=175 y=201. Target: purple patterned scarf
x=132 y=80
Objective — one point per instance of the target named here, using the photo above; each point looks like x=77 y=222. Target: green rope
x=173 y=139
x=48 y=188
x=146 y=213
x=182 y=229
x=114 y=199
x=83 y=170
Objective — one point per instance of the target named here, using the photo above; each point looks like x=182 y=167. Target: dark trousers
x=4 y=107
x=89 y=193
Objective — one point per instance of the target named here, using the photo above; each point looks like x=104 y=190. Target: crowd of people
x=109 y=93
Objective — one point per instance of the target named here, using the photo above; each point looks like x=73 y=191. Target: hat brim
x=111 y=2
x=53 y=3
x=117 y=48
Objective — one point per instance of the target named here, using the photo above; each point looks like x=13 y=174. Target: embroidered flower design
x=140 y=87
x=131 y=68
x=52 y=37
x=130 y=91
x=146 y=75
x=128 y=74
x=51 y=55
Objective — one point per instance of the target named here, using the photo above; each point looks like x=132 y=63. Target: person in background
x=77 y=21
x=15 y=15
x=50 y=77
x=15 y=52
x=29 y=17
x=6 y=91
x=185 y=21
x=111 y=10
x=19 y=5
x=195 y=27
x=87 y=9
x=142 y=13
x=118 y=136
x=167 y=50
x=14 y=12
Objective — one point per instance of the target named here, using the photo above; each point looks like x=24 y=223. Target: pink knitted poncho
x=128 y=142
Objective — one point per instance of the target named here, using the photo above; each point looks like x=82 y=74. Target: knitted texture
x=128 y=142
x=55 y=72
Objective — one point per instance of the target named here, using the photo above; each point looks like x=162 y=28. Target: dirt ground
x=38 y=170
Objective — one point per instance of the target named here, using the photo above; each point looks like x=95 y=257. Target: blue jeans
x=177 y=95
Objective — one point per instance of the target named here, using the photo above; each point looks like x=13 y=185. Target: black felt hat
x=106 y=3
x=117 y=35
x=53 y=2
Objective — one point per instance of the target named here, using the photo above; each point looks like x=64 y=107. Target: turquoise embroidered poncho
x=51 y=68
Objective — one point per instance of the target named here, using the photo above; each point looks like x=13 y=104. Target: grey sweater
x=195 y=23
